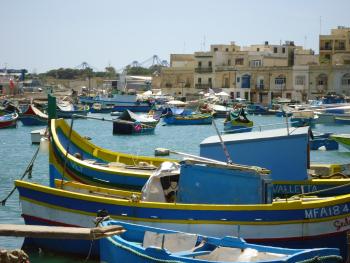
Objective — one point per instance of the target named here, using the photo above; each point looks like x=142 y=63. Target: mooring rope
x=28 y=171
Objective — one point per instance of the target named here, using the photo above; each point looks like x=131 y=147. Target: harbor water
x=16 y=152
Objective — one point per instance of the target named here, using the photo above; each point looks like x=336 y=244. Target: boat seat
x=173 y=242
x=230 y=254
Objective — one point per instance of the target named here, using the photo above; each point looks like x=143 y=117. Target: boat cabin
x=201 y=182
x=285 y=152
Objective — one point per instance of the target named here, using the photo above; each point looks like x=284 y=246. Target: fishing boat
x=257 y=109
x=149 y=244
x=120 y=102
x=90 y=164
x=323 y=141
x=131 y=123
x=187 y=119
x=8 y=121
x=193 y=202
x=33 y=116
x=343 y=139
x=99 y=108
x=66 y=110
x=342 y=120
x=237 y=122
x=303 y=118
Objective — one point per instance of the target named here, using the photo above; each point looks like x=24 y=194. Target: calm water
x=16 y=151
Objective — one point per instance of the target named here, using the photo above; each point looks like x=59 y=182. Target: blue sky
x=44 y=34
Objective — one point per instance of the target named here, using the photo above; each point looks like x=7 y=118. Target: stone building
x=261 y=73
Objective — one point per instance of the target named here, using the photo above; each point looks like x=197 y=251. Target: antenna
x=204 y=42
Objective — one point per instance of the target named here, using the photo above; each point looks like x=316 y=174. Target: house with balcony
x=335 y=48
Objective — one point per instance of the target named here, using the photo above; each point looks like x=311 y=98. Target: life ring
x=137 y=127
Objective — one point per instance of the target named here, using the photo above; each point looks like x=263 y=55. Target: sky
x=40 y=35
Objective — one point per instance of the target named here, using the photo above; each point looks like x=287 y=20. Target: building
x=178 y=79
x=263 y=72
x=335 y=48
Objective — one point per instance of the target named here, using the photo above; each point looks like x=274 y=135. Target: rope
x=28 y=171
x=322 y=259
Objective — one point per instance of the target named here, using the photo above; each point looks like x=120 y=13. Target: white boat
x=36 y=135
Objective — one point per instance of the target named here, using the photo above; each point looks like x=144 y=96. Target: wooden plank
x=59 y=232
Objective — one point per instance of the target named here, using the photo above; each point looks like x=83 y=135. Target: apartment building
x=335 y=48
x=263 y=72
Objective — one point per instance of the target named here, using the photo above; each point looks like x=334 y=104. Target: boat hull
x=292 y=224
x=32 y=120
x=68 y=114
x=179 y=120
x=8 y=124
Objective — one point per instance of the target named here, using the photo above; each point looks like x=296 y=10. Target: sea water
x=16 y=151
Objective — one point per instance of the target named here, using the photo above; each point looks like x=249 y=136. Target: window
x=199 y=80
x=258 y=49
x=229 y=62
x=246 y=95
x=238 y=94
x=283 y=50
x=342 y=45
x=275 y=50
x=200 y=64
x=327 y=56
x=299 y=80
x=238 y=79
x=209 y=80
x=255 y=63
x=209 y=64
x=226 y=49
x=239 y=61
x=215 y=49
x=280 y=80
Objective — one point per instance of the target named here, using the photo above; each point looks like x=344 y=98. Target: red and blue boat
x=8 y=121
x=33 y=116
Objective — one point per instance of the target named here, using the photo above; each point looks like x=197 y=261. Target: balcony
x=203 y=86
x=326 y=48
x=259 y=86
x=203 y=70
x=339 y=48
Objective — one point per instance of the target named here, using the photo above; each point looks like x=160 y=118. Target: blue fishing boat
x=342 y=120
x=303 y=118
x=237 y=122
x=323 y=140
x=33 y=116
x=99 y=108
x=66 y=110
x=131 y=123
x=120 y=102
x=257 y=109
x=149 y=244
x=181 y=116
x=202 y=197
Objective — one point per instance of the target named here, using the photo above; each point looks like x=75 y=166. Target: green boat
x=343 y=139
